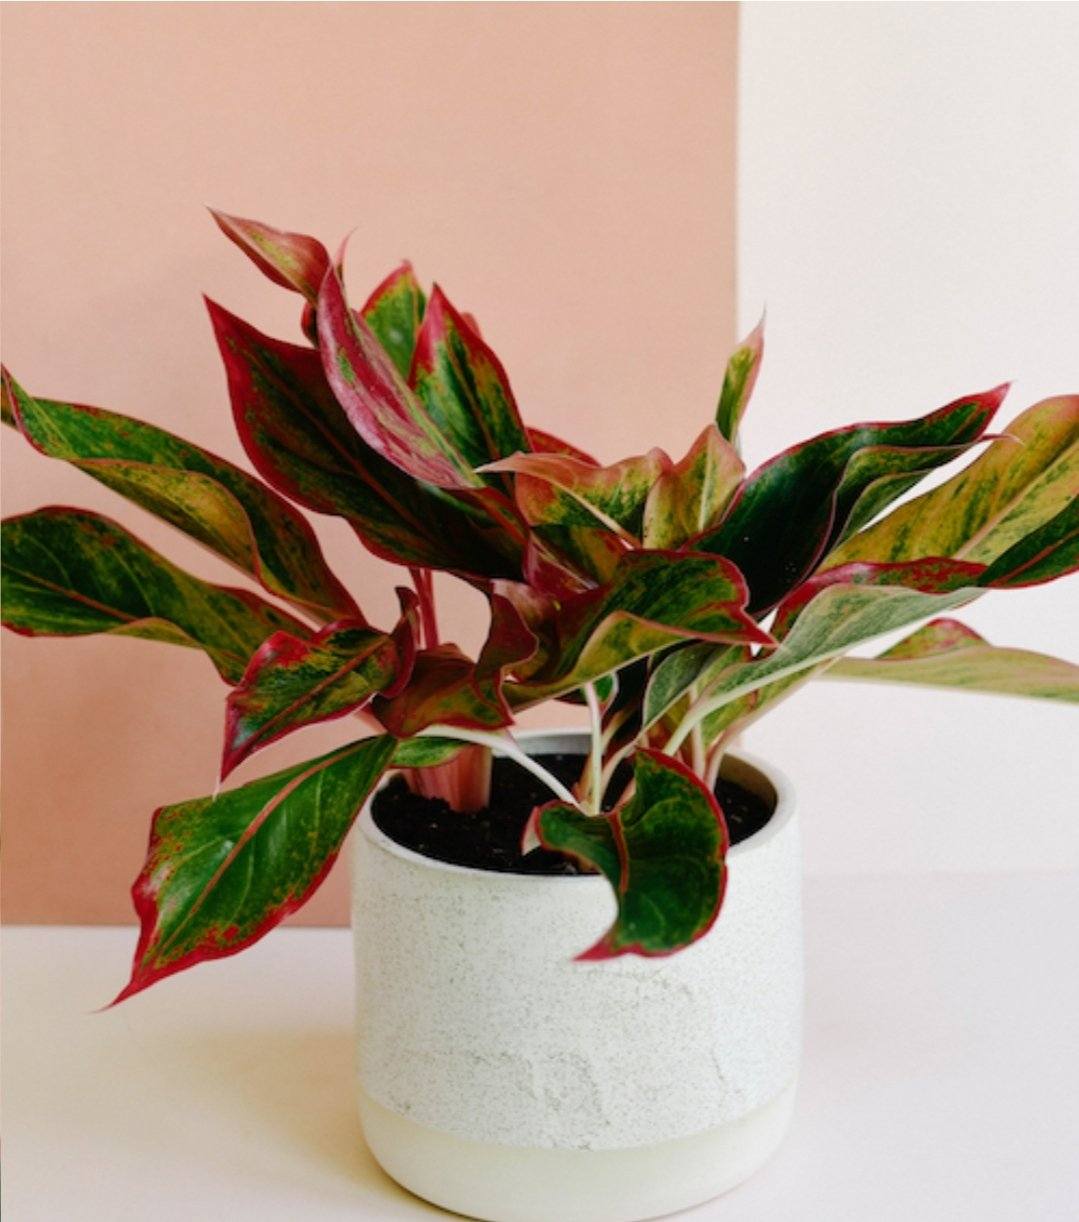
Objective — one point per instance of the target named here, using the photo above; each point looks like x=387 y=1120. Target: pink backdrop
x=566 y=171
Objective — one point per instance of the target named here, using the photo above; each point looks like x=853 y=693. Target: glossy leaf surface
x=230 y=512
x=663 y=851
x=946 y=653
x=220 y=873
x=792 y=510
x=68 y=572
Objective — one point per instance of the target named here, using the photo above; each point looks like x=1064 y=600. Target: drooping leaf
x=690 y=496
x=945 y=653
x=1027 y=476
x=291 y=683
x=292 y=260
x=378 y=401
x=68 y=572
x=742 y=369
x=299 y=439
x=557 y=490
x=663 y=851
x=464 y=387
x=448 y=688
x=220 y=873
x=394 y=312
x=654 y=600
x=790 y=511
x=230 y=512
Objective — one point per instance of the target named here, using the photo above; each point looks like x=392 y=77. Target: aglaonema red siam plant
x=676 y=600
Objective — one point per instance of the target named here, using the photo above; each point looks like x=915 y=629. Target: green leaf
x=425 y=752
x=68 y=572
x=559 y=490
x=221 y=873
x=691 y=496
x=683 y=668
x=291 y=683
x=464 y=387
x=1048 y=552
x=654 y=600
x=292 y=260
x=663 y=851
x=742 y=369
x=945 y=653
x=300 y=440
x=377 y=400
x=394 y=312
x=230 y=512
x=792 y=510
x=1025 y=478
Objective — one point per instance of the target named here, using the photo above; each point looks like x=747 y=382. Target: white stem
x=696 y=741
x=596 y=767
x=505 y=744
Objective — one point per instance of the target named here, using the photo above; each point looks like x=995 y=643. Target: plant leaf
x=448 y=688
x=377 y=400
x=230 y=512
x=1026 y=477
x=945 y=653
x=291 y=683
x=738 y=382
x=220 y=873
x=684 y=667
x=654 y=600
x=292 y=260
x=464 y=387
x=547 y=443
x=299 y=439
x=664 y=852
x=394 y=312
x=1048 y=552
x=791 y=510
x=558 y=490
x=425 y=752
x=68 y=572
x=690 y=496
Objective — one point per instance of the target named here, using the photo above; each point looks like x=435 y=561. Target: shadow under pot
x=499 y=1078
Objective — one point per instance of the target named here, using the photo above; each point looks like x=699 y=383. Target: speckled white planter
x=503 y=1080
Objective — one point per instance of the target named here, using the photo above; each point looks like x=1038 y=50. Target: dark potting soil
x=491 y=839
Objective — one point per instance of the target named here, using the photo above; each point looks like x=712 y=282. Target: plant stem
x=596 y=761
x=425 y=592
x=505 y=745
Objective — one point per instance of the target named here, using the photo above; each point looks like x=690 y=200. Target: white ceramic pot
x=501 y=1079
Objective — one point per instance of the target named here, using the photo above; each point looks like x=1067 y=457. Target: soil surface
x=491 y=839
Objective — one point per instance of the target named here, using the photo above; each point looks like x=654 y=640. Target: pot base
x=526 y=1184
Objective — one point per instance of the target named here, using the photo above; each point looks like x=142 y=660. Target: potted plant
x=552 y=1022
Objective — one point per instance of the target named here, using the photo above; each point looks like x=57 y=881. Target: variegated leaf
x=947 y=654
x=292 y=260
x=691 y=496
x=68 y=572
x=394 y=312
x=230 y=512
x=664 y=852
x=742 y=369
x=222 y=872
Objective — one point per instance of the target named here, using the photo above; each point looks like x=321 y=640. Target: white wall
x=909 y=212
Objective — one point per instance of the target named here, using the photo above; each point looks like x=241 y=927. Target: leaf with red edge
x=377 y=400
x=464 y=387
x=738 y=382
x=394 y=312
x=664 y=852
x=794 y=508
x=448 y=688
x=654 y=600
x=691 y=495
x=948 y=654
x=291 y=683
x=69 y=572
x=225 y=509
x=557 y=490
x=1049 y=551
x=1028 y=476
x=547 y=443
x=301 y=442
x=221 y=872
x=292 y=260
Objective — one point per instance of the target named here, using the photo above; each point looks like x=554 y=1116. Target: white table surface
x=941 y=1075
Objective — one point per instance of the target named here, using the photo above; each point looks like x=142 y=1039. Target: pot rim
x=744 y=762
